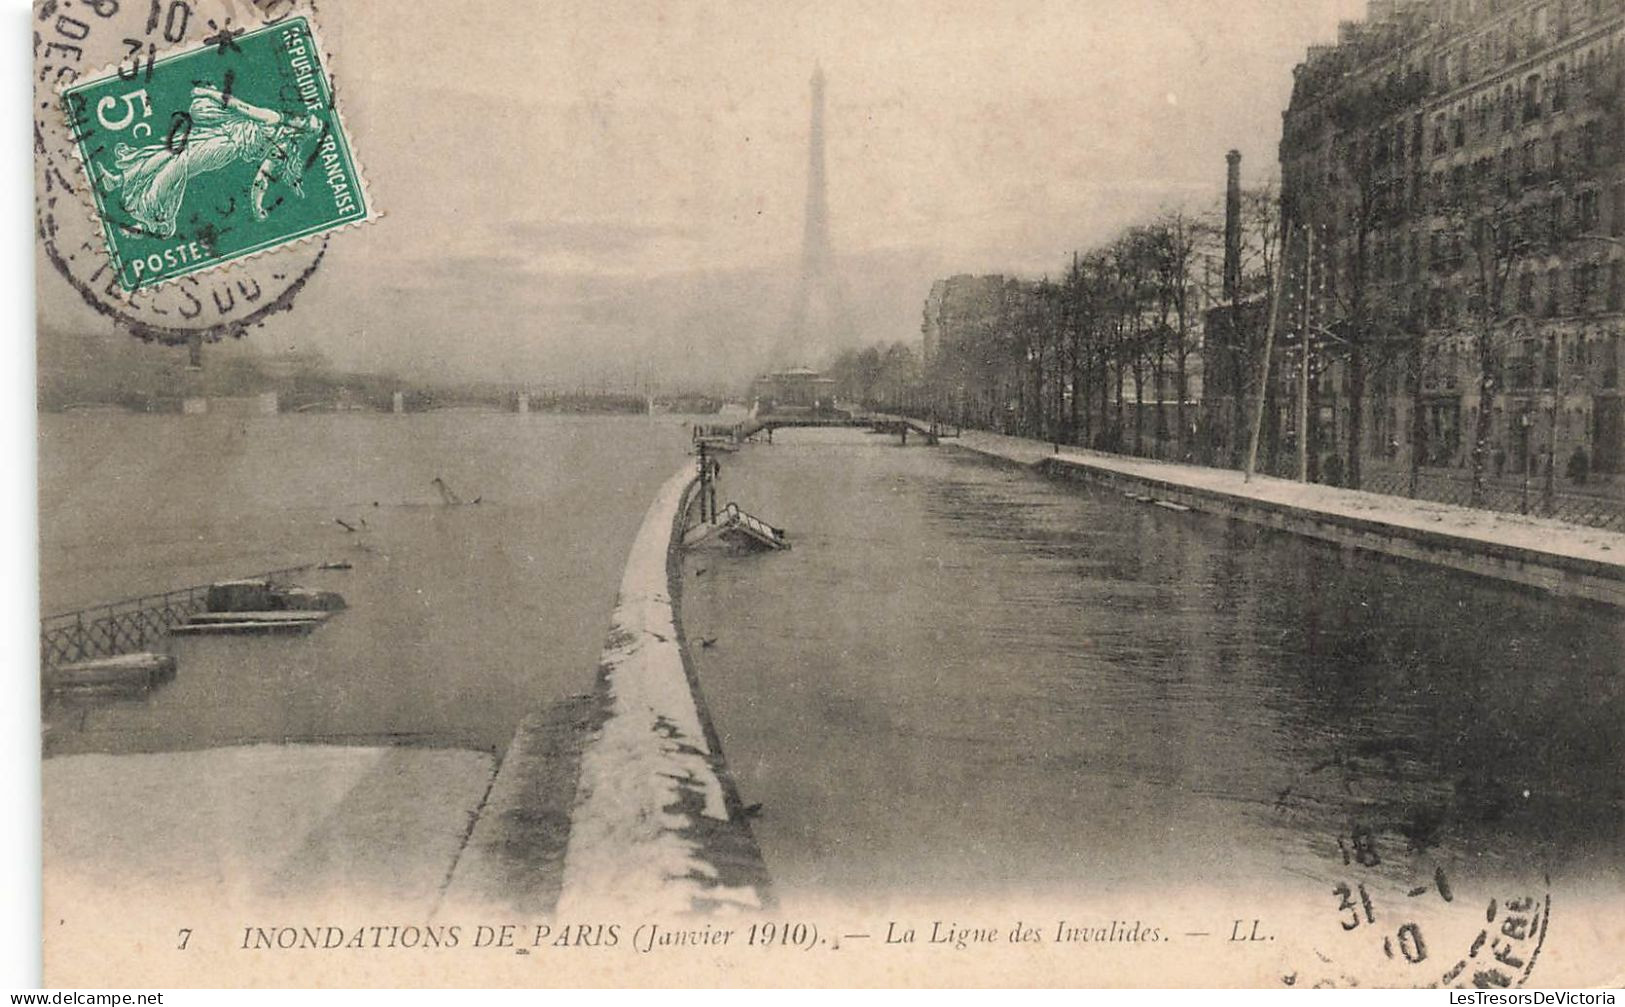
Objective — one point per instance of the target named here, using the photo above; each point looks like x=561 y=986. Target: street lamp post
x=1523 y=425
x=1302 y=419
x=1548 y=489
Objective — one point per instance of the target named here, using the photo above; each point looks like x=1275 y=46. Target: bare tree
x=1363 y=199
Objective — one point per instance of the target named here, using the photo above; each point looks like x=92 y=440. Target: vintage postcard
x=1119 y=493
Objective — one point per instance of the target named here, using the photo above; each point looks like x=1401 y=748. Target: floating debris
x=305 y=599
x=251 y=622
x=262 y=595
x=737 y=528
x=448 y=496
x=141 y=670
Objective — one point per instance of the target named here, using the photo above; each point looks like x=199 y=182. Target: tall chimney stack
x=1232 y=227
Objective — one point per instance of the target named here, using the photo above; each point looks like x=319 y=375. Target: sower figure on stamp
x=151 y=181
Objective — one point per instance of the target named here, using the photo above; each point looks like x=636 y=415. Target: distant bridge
x=930 y=431
x=491 y=399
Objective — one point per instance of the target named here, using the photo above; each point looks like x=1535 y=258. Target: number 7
x=186 y=935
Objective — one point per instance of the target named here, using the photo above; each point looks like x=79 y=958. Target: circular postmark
x=76 y=38
x=1408 y=888
x=1405 y=918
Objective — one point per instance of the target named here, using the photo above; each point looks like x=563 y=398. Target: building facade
x=1453 y=182
x=797 y=389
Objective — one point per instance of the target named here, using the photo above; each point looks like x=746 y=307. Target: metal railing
x=1593 y=510
x=120 y=627
x=761 y=528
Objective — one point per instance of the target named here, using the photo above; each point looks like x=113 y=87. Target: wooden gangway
x=737 y=527
x=754 y=528
x=127 y=626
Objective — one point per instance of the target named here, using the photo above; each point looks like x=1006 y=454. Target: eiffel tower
x=819 y=320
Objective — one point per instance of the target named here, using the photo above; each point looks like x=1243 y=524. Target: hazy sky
x=575 y=186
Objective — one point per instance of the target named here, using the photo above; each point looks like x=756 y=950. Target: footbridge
x=930 y=431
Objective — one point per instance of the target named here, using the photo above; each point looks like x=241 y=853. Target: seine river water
x=962 y=676
x=462 y=619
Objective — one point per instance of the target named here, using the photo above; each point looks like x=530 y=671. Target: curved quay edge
x=657 y=824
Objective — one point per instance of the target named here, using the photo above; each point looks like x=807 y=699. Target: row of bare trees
x=1105 y=355
x=1380 y=265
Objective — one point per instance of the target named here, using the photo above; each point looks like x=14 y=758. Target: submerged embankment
x=654 y=824
x=969 y=679
x=1567 y=560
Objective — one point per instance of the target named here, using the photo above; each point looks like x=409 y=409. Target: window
x=1586 y=206
x=1588 y=144
x=1557 y=152
x=1531 y=97
x=1554 y=291
x=1560 y=89
x=1438 y=307
x=1526 y=292
x=1585 y=283
x=1616 y=285
x=1441 y=142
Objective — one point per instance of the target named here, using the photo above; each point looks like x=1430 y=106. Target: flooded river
x=461 y=620
x=964 y=678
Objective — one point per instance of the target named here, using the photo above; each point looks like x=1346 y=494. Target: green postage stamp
x=207 y=155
